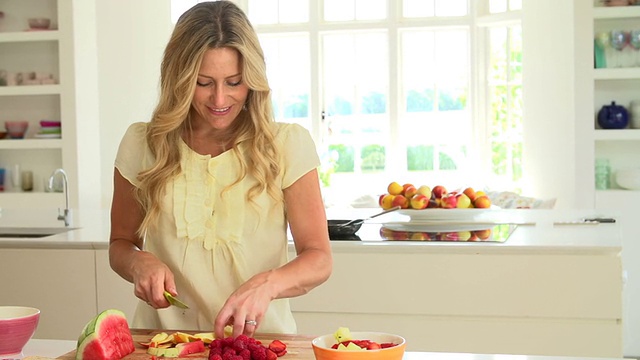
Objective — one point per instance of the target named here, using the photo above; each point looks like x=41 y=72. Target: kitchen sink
x=20 y=232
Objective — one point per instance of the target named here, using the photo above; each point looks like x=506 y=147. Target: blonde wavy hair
x=205 y=26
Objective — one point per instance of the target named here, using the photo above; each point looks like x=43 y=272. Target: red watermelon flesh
x=106 y=337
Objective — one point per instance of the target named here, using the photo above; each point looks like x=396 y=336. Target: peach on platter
x=482 y=202
x=419 y=201
x=425 y=190
x=395 y=188
x=463 y=201
x=439 y=191
x=400 y=200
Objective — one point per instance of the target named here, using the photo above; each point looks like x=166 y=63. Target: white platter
x=447 y=214
x=434 y=227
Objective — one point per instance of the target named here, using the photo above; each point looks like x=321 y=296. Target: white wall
x=131 y=39
x=548 y=88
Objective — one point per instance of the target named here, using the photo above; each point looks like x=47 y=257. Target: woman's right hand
x=151 y=277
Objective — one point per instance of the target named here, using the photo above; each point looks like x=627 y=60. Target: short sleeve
x=299 y=152
x=133 y=153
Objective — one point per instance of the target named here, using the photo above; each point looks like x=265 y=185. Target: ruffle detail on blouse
x=202 y=211
x=189 y=199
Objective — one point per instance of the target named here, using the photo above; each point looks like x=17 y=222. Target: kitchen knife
x=174 y=300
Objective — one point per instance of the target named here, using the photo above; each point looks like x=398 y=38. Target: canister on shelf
x=27 y=181
x=603 y=174
x=634 y=110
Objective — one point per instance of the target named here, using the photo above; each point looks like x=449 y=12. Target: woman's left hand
x=246 y=306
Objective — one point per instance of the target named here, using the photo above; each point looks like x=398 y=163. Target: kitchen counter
x=299 y=348
x=544 y=230
x=58 y=348
x=551 y=284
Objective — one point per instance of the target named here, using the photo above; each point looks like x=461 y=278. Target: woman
x=203 y=193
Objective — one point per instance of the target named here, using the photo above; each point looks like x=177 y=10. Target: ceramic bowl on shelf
x=16 y=129
x=322 y=347
x=628 y=178
x=17 y=326
x=39 y=23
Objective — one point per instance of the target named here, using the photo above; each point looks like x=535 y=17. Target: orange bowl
x=17 y=326
x=323 y=351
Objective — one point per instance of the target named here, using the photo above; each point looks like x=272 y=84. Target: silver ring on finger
x=251 y=322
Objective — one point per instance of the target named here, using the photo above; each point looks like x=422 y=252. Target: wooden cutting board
x=298 y=346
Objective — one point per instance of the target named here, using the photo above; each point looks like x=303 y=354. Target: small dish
x=48 y=136
x=50 y=123
x=39 y=23
x=628 y=178
x=16 y=129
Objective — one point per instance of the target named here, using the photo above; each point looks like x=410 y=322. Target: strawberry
x=282 y=353
x=271 y=355
x=373 y=346
x=277 y=346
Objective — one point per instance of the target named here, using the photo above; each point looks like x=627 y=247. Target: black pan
x=338 y=230
x=342 y=228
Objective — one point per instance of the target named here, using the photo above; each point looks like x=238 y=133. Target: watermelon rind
x=90 y=327
x=106 y=336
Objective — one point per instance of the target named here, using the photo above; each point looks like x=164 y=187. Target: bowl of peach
x=361 y=345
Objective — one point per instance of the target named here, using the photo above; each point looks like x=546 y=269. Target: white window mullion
x=396 y=159
x=316 y=105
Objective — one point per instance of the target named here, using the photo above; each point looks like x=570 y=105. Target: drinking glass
x=634 y=41
x=603 y=45
x=619 y=39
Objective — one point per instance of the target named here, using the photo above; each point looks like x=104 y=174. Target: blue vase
x=613 y=116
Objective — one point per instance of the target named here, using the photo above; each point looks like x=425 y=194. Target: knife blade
x=174 y=300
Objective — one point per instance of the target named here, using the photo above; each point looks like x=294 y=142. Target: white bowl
x=17 y=326
x=628 y=179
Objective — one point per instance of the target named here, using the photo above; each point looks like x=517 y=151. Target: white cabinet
x=61 y=283
x=492 y=302
x=64 y=52
x=113 y=291
x=69 y=287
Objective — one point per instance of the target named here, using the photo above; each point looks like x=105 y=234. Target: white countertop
x=56 y=348
x=545 y=231
x=47 y=348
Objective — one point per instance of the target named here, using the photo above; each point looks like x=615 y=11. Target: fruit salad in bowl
x=358 y=345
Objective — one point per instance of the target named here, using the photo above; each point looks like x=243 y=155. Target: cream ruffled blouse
x=214 y=241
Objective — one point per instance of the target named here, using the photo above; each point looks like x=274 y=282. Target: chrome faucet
x=64 y=214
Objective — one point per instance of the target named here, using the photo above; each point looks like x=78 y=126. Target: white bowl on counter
x=628 y=178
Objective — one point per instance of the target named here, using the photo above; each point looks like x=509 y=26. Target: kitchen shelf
x=27 y=36
x=616 y=74
x=616 y=134
x=30 y=90
x=25 y=144
x=616 y=12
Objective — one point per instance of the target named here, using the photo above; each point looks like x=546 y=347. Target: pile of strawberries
x=245 y=348
x=365 y=344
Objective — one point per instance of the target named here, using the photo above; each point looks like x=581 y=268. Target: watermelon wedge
x=105 y=337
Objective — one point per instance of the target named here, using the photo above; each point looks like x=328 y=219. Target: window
x=502 y=92
x=421 y=91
